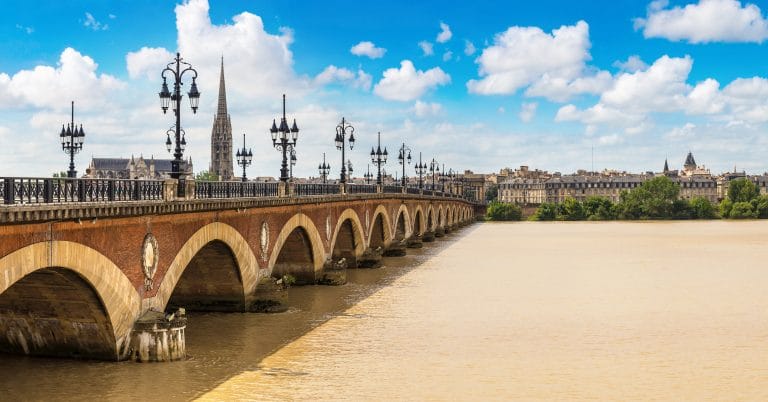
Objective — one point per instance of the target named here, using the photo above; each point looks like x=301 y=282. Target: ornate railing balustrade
x=302 y=189
x=361 y=188
x=234 y=189
x=54 y=190
x=27 y=190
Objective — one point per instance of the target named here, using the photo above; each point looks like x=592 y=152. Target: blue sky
x=505 y=83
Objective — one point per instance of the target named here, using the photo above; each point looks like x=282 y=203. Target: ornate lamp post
x=434 y=169
x=421 y=168
x=72 y=142
x=379 y=158
x=341 y=139
x=324 y=169
x=177 y=69
x=368 y=175
x=403 y=159
x=284 y=140
x=293 y=163
x=443 y=178
x=244 y=157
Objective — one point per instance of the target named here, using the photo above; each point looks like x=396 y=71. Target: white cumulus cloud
x=426 y=48
x=445 y=33
x=368 y=49
x=528 y=111
x=469 y=48
x=554 y=65
x=332 y=74
x=147 y=61
x=424 y=109
x=705 y=21
x=407 y=84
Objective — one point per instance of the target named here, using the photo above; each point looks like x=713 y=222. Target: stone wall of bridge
x=208 y=255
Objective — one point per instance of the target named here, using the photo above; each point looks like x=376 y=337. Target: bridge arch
x=431 y=218
x=440 y=217
x=83 y=270
x=215 y=233
x=298 y=250
x=379 y=232
x=402 y=224
x=348 y=241
x=418 y=221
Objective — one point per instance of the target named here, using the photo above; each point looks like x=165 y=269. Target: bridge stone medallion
x=149 y=258
x=264 y=240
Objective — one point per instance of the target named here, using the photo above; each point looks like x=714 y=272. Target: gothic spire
x=666 y=166
x=222 y=109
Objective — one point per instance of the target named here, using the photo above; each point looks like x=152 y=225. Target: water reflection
x=220 y=346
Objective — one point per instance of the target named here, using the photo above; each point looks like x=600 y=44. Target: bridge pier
x=439 y=232
x=396 y=249
x=415 y=242
x=428 y=236
x=157 y=337
x=371 y=258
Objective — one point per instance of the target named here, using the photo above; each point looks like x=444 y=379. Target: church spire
x=221 y=136
x=666 y=166
x=222 y=109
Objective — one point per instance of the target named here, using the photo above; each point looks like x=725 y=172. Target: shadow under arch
x=402 y=225
x=298 y=250
x=348 y=241
x=215 y=231
x=84 y=279
x=379 y=233
x=418 y=221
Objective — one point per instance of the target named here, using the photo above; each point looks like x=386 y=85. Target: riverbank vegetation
x=658 y=198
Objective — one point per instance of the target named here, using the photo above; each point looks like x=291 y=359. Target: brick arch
x=440 y=221
x=452 y=215
x=316 y=241
x=119 y=298
x=430 y=218
x=216 y=231
x=386 y=221
x=418 y=212
x=407 y=223
x=357 y=230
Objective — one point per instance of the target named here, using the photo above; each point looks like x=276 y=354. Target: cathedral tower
x=221 y=136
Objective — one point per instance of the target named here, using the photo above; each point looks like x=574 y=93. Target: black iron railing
x=234 y=189
x=361 y=188
x=413 y=190
x=393 y=189
x=302 y=189
x=26 y=190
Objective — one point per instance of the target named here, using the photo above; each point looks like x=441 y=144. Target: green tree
x=654 y=199
x=572 y=210
x=599 y=209
x=742 y=210
x=702 y=208
x=492 y=192
x=760 y=205
x=501 y=211
x=60 y=174
x=205 y=175
x=546 y=212
x=742 y=190
x=725 y=208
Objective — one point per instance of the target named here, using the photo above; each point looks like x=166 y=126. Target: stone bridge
x=102 y=280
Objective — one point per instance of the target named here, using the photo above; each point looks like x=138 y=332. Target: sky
x=555 y=85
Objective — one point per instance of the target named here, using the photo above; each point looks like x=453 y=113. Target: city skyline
x=479 y=88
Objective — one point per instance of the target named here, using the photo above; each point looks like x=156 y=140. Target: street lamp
x=404 y=159
x=443 y=178
x=324 y=169
x=178 y=68
x=284 y=140
x=434 y=169
x=368 y=175
x=72 y=142
x=341 y=138
x=421 y=168
x=379 y=158
x=293 y=162
x=244 y=157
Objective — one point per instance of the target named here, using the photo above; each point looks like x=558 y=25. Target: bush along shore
x=657 y=198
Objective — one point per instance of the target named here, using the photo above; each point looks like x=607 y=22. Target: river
x=509 y=311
